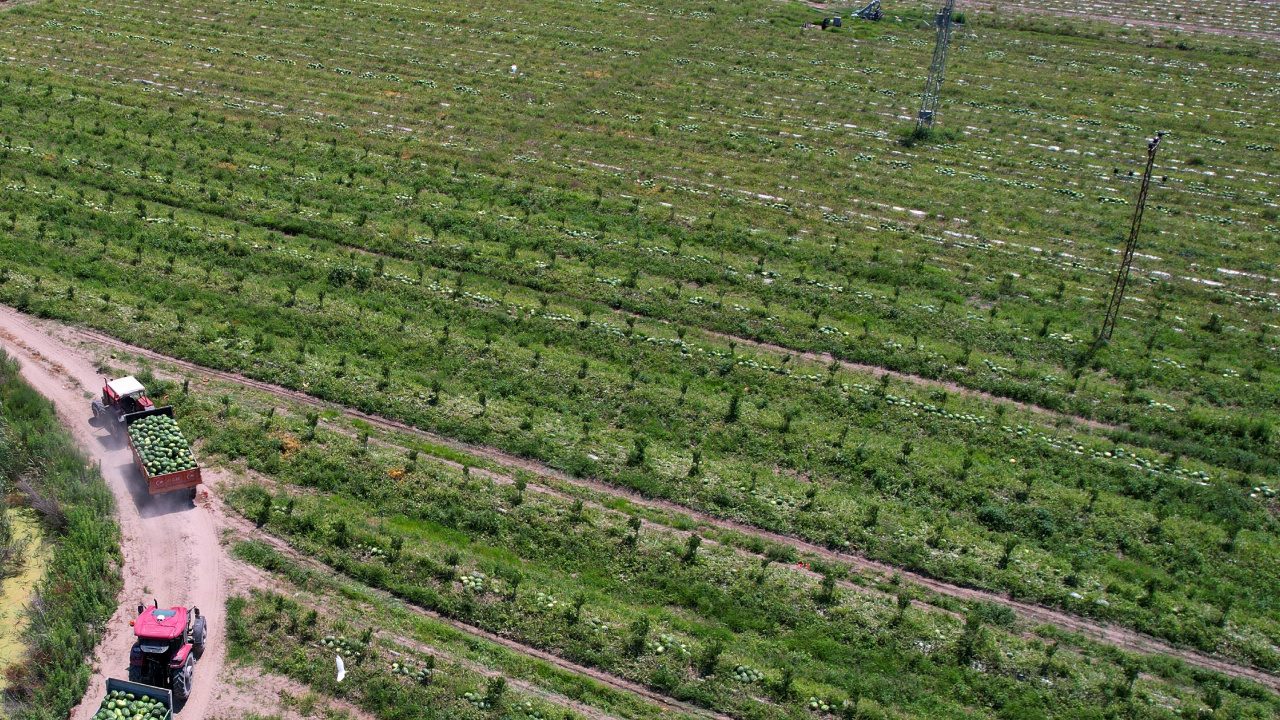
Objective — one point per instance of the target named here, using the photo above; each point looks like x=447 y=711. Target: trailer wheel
x=181 y=680
x=199 y=631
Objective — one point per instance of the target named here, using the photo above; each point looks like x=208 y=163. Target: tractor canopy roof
x=160 y=623
x=126 y=386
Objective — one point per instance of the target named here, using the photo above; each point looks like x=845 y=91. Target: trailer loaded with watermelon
x=160 y=451
x=135 y=701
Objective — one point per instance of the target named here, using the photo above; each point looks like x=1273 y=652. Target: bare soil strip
x=1125 y=638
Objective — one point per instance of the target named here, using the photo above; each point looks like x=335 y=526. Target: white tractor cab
x=120 y=397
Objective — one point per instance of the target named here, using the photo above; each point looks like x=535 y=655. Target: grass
x=397 y=625
x=448 y=527
x=575 y=263
x=77 y=594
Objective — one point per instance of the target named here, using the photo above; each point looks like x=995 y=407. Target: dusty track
x=171 y=550
x=171 y=547
x=1125 y=638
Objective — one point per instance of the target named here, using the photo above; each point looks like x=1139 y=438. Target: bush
x=994 y=614
x=994 y=517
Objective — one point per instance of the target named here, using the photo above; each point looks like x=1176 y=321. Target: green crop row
x=795 y=250
x=571 y=262
x=515 y=379
x=77 y=594
x=653 y=606
x=384 y=677
x=498 y=558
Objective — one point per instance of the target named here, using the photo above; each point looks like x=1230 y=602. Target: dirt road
x=171 y=550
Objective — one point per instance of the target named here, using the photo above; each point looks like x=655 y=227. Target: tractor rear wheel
x=199 y=631
x=135 y=674
x=181 y=680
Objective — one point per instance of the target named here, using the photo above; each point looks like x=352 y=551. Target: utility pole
x=933 y=88
x=1122 y=277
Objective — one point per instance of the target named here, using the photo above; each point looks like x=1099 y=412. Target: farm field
x=1233 y=17
x=514 y=562
x=676 y=281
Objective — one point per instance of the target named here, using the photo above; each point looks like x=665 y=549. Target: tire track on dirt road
x=170 y=546
x=1119 y=636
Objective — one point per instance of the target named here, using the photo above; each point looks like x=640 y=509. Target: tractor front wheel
x=181 y=680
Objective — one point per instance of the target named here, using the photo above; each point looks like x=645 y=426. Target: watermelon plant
x=408 y=270
x=342 y=646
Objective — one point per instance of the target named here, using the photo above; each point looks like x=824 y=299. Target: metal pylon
x=932 y=89
x=871 y=11
x=1126 y=261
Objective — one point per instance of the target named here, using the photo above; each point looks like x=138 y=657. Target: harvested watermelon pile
x=121 y=705
x=161 y=445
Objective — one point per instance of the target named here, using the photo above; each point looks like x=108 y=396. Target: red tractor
x=124 y=403
x=121 y=398
x=169 y=642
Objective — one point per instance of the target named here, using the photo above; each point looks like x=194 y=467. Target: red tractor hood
x=160 y=623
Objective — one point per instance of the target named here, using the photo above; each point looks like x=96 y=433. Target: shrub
x=994 y=517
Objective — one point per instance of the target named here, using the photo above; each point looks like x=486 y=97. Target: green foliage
x=77 y=594
x=407 y=273
x=453 y=530
x=277 y=631
x=638 y=636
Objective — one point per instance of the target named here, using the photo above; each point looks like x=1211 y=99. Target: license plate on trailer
x=175 y=481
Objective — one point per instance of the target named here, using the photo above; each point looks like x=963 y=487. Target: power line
x=1122 y=277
